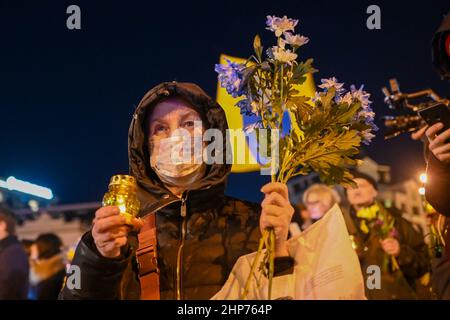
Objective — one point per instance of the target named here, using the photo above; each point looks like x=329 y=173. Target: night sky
x=66 y=97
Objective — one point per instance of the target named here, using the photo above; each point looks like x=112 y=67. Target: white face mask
x=177 y=161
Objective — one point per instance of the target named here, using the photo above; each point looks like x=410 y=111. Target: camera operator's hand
x=110 y=231
x=417 y=135
x=439 y=143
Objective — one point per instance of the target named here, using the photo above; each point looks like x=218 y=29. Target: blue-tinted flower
x=245 y=106
x=367 y=136
x=295 y=40
x=280 y=25
x=368 y=117
x=251 y=128
x=317 y=97
x=332 y=83
x=361 y=96
x=231 y=77
x=367 y=114
x=347 y=98
x=269 y=53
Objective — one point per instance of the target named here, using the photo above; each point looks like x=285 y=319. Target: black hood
x=152 y=192
x=440 y=51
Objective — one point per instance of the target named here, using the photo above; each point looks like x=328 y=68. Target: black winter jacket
x=14 y=270
x=438 y=188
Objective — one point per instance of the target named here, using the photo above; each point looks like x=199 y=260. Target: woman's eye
x=159 y=129
x=188 y=124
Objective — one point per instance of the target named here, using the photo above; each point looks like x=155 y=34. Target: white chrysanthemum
x=295 y=40
x=283 y=55
x=332 y=83
x=347 y=98
x=280 y=25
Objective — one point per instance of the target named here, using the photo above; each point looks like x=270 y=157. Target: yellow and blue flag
x=238 y=121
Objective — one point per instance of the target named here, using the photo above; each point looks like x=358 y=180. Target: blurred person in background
x=47 y=270
x=26 y=244
x=437 y=156
x=300 y=220
x=440 y=251
x=319 y=198
x=13 y=260
x=401 y=254
x=436 y=140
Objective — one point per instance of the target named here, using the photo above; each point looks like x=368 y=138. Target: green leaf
x=327 y=154
x=299 y=109
x=348 y=140
x=258 y=48
x=348 y=113
x=257 y=42
x=298 y=134
x=301 y=70
x=328 y=98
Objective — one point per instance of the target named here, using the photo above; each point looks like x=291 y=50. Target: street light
x=423 y=177
x=26 y=187
x=422 y=191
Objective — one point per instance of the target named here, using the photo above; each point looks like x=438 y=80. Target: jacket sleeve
x=100 y=277
x=441 y=277
x=13 y=275
x=437 y=189
x=413 y=258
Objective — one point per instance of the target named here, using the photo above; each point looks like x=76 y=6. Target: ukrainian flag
x=238 y=121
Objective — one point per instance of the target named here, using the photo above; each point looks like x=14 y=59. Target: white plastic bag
x=326 y=267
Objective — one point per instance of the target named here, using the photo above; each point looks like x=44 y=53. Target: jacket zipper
x=183 y=212
x=179 y=280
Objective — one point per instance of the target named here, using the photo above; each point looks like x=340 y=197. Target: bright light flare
x=26 y=187
x=423 y=177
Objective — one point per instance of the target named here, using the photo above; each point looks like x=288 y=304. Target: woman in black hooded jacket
x=201 y=232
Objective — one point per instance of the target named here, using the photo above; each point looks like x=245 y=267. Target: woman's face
x=317 y=205
x=175 y=132
x=34 y=252
x=363 y=195
x=170 y=115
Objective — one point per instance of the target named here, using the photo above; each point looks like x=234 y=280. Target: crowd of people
x=412 y=267
x=29 y=269
x=400 y=251
x=196 y=234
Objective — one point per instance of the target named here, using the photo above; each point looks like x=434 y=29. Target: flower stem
x=253 y=267
x=281 y=86
x=271 y=249
x=271 y=261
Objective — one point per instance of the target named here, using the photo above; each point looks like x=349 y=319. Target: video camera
x=434 y=109
x=431 y=108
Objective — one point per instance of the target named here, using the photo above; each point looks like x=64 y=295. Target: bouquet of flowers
x=324 y=133
x=378 y=219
